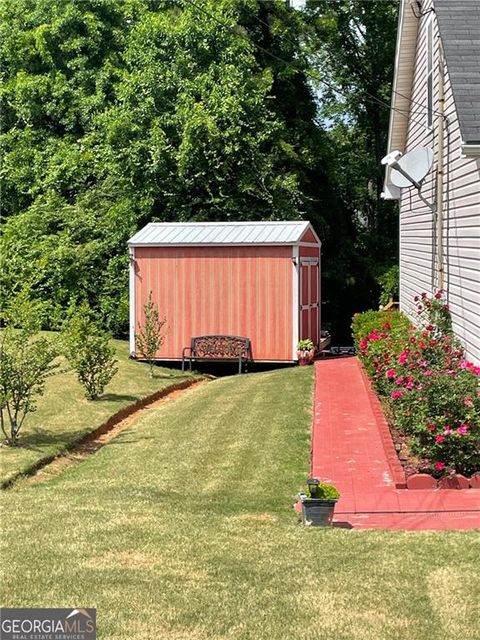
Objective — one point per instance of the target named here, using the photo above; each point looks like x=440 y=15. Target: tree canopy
x=119 y=113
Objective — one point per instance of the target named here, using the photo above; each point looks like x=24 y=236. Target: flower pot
x=305 y=357
x=317 y=513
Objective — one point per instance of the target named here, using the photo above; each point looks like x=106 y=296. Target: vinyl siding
x=461 y=211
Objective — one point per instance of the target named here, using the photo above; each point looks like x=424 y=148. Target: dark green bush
x=389 y=283
x=364 y=323
x=430 y=389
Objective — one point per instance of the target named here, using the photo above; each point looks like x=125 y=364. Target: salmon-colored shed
x=260 y=280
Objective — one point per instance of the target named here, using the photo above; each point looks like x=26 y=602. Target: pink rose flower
x=409 y=385
x=468 y=402
x=439 y=439
x=428 y=373
x=439 y=466
x=391 y=373
x=396 y=394
x=399 y=381
x=462 y=429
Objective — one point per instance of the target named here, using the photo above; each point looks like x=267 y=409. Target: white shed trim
x=131 y=295
x=295 y=299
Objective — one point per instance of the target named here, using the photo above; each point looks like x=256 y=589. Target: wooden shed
x=260 y=280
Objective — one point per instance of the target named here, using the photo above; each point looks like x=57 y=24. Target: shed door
x=309 y=299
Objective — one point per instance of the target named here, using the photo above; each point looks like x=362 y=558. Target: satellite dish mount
x=410 y=170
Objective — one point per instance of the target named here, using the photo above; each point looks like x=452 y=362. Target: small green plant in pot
x=318 y=501
x=305 y=352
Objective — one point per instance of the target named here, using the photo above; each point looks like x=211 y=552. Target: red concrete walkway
x=351 y=448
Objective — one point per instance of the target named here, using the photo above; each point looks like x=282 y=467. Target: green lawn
x=64 y=414
x=181 y=528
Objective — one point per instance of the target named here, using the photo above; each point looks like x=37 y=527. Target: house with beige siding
x=436 y=104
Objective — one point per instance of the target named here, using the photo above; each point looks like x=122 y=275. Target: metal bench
x=221 y=348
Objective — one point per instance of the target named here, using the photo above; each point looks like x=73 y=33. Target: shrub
x=323 y=491
x=365 y=323
x=89 y=352
x=149 y=338
x=389 y=285
x=430 y=389
x=26 y=361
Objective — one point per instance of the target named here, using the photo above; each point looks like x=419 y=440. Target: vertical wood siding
x=245 y=291
x=461 y=238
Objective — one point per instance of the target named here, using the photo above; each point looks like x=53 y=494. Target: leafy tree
x=149 y=338
x=119 y=113
x=89 y=352
x=389 y=283
x=26 y=361
x=352 y=46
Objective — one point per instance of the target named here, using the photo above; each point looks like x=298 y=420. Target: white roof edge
x=309 y=226
x=239 y=223
x=402 y=26
x=217 y=244
x=470 y=150
x=395 y=74
x=390 y=192
x=148 y=237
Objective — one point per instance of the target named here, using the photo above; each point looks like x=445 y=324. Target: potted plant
x=318 y=500
x=305 y=352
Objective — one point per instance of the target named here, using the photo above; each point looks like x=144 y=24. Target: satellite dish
x=410 y=170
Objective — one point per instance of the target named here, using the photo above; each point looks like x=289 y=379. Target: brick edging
x=417 y=480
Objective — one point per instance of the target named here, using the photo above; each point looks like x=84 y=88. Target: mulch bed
x=411 y=464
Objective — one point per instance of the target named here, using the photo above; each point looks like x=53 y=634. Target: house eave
x=470 y=150
x=401 y=89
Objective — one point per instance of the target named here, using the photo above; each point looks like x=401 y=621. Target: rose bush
x=431 y=390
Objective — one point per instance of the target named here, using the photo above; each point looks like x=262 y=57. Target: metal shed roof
x=219 y=233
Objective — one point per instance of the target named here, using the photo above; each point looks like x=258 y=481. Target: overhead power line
x=290 y=64
x=410 y=100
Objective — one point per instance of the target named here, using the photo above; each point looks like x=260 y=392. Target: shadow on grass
x=122 y=439
x=116 y=397
x=172 y=376
x=38 y=439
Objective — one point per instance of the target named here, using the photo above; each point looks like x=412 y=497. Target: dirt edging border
x=102 y=429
